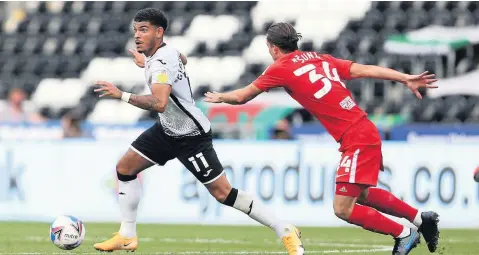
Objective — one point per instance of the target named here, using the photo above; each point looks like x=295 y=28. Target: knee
x=343 y=212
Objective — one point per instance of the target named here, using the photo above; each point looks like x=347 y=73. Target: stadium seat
x=473 y=115
x=257 y=51
x=89 y=40
x=55 y=6
x=72 y=45
x=194 y=73
x=94 y=25
x=98 y=69
x=123 y=71
x=184 y=45
x=463 y=18
x=115 y=112
x=56 y=93
x=231 y=70
x=118 y=7
x=221 y=28
x=454 y=106
x=51 y=46
x=90 y=47
x=46 y=92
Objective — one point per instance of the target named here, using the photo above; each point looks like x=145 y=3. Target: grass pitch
x=33 y=238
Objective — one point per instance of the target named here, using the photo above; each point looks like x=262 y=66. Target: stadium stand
x=50 y=48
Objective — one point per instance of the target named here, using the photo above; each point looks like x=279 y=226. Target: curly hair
x=152 y=15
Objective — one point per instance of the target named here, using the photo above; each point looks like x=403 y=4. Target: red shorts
x=361 y=157
x=350 y=189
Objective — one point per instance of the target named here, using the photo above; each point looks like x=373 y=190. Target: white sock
x=129 y=197
x=417 y=220
x=257 y=211
x=405 y=232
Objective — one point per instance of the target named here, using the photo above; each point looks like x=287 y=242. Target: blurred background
x=51 y=52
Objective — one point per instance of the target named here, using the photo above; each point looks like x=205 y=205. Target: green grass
x=33 y=238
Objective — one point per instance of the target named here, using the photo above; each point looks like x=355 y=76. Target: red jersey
x=315 y=81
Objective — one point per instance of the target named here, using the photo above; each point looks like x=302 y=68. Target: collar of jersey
x=285 y=55
x=163 y=44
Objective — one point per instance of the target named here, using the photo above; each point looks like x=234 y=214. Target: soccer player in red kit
x=316 y=82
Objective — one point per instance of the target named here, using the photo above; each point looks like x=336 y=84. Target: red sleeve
x=271 y=78
x=343 y=66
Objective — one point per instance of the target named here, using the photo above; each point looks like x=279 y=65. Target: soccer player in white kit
x=181 y=131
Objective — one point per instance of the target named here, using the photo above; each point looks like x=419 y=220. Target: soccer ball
x=67 y=232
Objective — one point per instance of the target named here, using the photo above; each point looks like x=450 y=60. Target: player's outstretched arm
x=413 y=82
x=239 y=96
x=157 y=101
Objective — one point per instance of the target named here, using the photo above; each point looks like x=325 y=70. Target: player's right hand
x=108 y=89
x=213 y=97
x=138 y=58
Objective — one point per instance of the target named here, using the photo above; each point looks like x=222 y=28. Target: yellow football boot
x=293 y=243
x=118 y=242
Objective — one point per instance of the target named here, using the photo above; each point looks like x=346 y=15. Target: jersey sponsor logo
x=161 y=61
x=347 y=103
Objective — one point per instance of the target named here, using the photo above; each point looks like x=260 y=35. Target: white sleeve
x=163 y=72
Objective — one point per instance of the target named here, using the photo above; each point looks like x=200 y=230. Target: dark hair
x=284 y=36
x=152 y=15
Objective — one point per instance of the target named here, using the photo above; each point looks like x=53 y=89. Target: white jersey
x=181 y=117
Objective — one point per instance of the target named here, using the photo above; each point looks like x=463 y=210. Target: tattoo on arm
x=146 y=102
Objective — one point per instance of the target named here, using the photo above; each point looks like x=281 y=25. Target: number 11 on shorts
x=203 y=161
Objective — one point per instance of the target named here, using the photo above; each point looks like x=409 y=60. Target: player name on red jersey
x=305 y=56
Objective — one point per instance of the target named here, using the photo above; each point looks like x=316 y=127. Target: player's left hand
x=424 y=80
x=138 y=58
x=108 y=89
x=213 y=97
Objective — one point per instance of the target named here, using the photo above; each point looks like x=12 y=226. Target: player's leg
x=129 y=194
x=222 y=191
x=386 y=202
x=358 y=170
x=346 y=208
x=203 y=162
x=148 y=149
x=129 y=189
x=246 y=203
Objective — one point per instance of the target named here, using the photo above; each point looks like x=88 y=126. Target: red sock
x=372 y=220
x=385 y=202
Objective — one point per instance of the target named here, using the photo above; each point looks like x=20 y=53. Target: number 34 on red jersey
x=316 y=82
